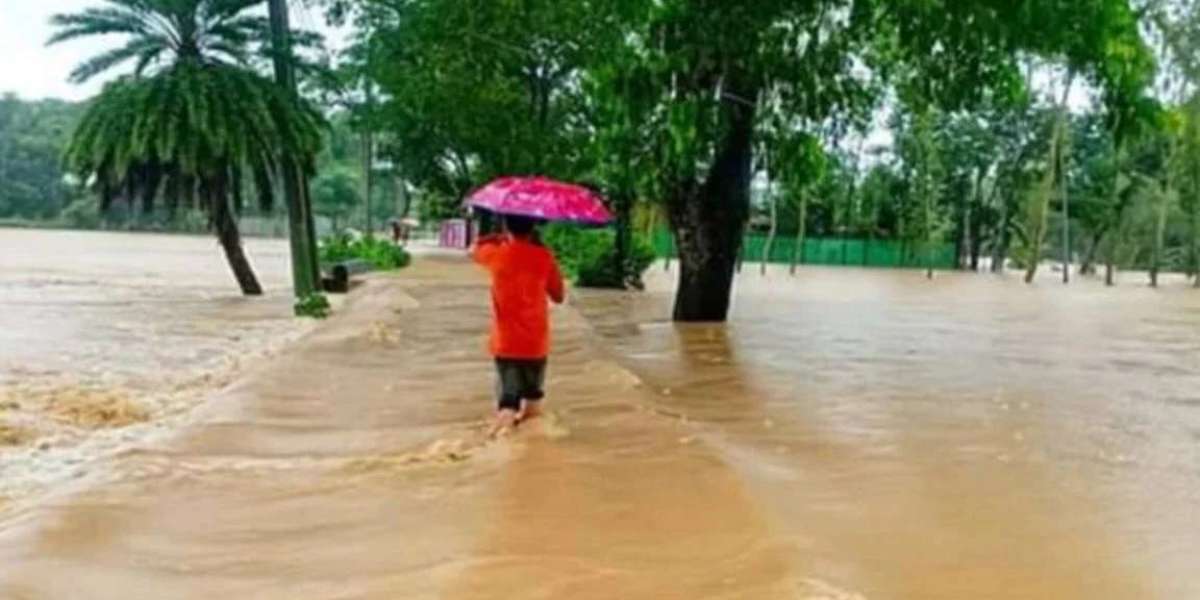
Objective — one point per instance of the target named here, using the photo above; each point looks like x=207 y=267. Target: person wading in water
x=525 y=279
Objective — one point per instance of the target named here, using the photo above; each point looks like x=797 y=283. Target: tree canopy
x=194 y=119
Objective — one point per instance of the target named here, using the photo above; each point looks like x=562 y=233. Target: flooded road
x=850 y=435
x=355 y=466
x=963 y=438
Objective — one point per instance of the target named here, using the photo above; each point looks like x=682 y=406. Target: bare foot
x=529 y=411
x=504 y=423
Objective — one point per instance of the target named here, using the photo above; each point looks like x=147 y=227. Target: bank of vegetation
x=1010 y=133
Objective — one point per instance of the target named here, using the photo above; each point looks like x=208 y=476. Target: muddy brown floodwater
x=849 y=435
x=109 y=339
x=969 y=437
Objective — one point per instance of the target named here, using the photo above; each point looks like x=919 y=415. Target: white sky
x=33 y=71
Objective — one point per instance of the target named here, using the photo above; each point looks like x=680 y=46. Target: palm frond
x=94 y=22
x=207 y=122
x=147 y=58
x=103 y=62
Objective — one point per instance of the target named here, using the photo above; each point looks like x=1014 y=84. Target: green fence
x=834 y=252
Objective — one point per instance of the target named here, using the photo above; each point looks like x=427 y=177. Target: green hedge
x=588 y=256
x=382 y=254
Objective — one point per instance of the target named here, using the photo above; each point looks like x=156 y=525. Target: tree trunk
x=770 y=243
x=305 y=271
x=368 y=158
x=1039 y=211
x=708 y=252
x=1160 y=227
x=976 y=245
x=801 y=227
x=623 y=239
x=1115 y=228
x=709 y=219
x=405 y=198
x=962 y=258
x=1000 y=247
x=305 y=274
x=1163 y=208
x=926 y=190
x=225 y=226
x=1088 y=265
x=1066 y=207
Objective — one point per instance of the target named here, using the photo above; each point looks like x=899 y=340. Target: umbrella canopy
x=541 y=198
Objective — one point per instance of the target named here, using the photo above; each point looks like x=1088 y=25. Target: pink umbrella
x=541 y=198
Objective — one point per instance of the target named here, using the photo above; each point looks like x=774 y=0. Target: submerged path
x=353 y=466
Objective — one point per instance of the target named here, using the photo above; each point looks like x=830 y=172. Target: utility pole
x=305 y=272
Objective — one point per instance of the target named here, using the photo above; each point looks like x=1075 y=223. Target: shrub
x=314 y=305
x=83 y=213
x=380 y=253
x=589 y=258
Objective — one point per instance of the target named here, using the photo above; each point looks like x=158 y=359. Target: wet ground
x=850 y=434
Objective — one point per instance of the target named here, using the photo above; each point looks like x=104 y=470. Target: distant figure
x=402 y=229
x=397 y=232
x=524 y=277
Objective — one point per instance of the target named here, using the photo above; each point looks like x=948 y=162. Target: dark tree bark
x=976 y=245
x=624 y=228
x=1003 y=237
x=225 y=226
x=152 y=179
x=708 y=221
x=1088 y=265
x=801 y=227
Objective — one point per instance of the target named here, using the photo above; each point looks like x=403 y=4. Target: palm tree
x=193 y=119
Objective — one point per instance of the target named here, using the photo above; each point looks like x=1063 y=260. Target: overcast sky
x=34 y=71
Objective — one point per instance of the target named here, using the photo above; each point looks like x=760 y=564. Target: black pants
x=518 y=380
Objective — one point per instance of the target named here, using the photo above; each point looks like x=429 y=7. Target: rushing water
x=850 y=435
x=106 y=338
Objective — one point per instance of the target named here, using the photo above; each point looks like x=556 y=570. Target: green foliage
x=589 y=256
x=650 y=100
x=315 y=306
x=195 y=121
x=435 y=206
x=380 y=253
x=32 y=137
x=194 y=126
x=335 y=194
x=473 y=89
x=199 y=122
x=82 y=214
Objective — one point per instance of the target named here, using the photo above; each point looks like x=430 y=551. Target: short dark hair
x=519 y=226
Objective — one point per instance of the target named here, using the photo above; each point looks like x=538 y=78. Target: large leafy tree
x=705 y=65
x=472 y=89
x=193 y=123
